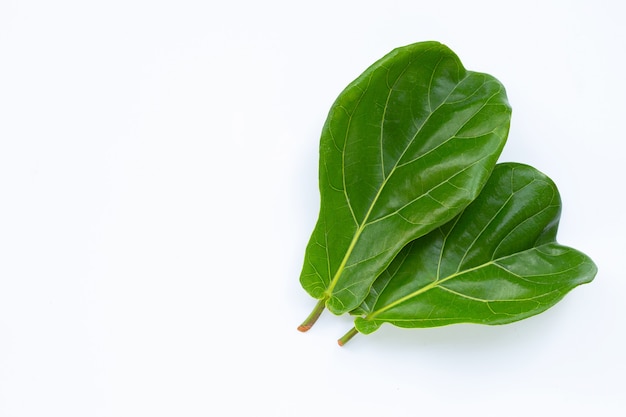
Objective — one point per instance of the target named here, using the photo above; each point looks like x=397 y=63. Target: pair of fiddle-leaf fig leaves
x=418 y=225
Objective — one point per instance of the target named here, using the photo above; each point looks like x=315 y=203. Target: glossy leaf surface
x=496 y=263
x=406 y=146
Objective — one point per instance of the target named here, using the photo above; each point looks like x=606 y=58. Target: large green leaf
x=495 y=263
x=405 y=147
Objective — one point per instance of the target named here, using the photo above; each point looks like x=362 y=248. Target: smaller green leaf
x=496 y=263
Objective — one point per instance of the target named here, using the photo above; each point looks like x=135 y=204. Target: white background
x=158 y=185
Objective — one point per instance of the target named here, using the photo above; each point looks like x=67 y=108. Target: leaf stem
x=310 y=321
x=346 y=337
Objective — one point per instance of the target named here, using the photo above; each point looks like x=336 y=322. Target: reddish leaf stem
x=346 y=337
x=310 y=321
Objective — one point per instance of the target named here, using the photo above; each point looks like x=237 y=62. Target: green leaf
x=406 y=146
x=496 y=263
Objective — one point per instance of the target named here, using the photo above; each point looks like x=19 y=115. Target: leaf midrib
x=424 y=289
